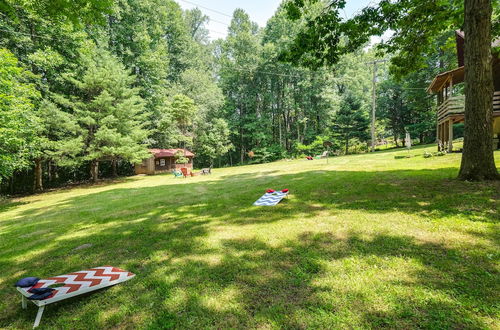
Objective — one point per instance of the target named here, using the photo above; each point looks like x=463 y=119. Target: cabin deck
x=454 y=108
x=452 y=111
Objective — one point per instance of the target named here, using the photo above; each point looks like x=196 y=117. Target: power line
x=218 y=32
x=209 y=9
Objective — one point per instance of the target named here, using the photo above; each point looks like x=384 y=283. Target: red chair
x=185 y=172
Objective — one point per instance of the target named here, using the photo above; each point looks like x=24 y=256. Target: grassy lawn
x=366 y=241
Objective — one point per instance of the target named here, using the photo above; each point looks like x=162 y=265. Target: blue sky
x=259 y=10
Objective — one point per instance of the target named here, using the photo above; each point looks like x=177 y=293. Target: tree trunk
x=11 y=184
x=478 y=161
x=49 y=171
x=114 y=166
x=37 y=184
x=346 y=145
x=94 y=170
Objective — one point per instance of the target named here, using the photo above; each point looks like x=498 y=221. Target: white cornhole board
x=75 y=284
x=271 y=199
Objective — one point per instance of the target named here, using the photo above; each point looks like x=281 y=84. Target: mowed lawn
x=367 y=241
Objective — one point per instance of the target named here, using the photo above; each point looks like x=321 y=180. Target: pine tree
x=351 y=121
x=59 y=140
x=108 y=110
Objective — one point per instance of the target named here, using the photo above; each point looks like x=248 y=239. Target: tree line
x=86 y=90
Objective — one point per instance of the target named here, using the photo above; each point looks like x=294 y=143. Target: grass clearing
x=367 y=241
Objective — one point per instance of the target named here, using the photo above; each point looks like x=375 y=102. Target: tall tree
x=108 y=110
x=239 y=54
x=18 y=122
x=213 y=140
x=393 y=108
x=478 y=161
x=351 y=121
x=59 y=143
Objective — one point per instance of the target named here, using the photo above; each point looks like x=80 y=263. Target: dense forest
x=84 y=96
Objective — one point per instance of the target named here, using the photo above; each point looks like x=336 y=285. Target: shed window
x=162 y=162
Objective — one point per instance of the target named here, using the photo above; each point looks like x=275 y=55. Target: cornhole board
x=75 y=284
x=271 y=199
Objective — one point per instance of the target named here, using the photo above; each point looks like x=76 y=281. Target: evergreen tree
x=108 y=110
x=59 y=143
x=351 y=121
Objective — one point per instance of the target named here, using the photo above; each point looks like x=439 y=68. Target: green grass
x=367 y=241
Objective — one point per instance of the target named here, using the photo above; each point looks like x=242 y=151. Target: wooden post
x=374 y=101
x=446 y=133
x=450 y=135
x=439 y=136
x=374 y=104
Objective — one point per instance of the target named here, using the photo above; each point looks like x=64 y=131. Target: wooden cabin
x=451 y=107
x=164 y=161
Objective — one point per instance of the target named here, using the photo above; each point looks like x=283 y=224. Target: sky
x=220 y=11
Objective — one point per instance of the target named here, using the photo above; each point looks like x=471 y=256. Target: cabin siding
x=163 y=161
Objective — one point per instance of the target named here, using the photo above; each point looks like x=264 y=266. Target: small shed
x=164 y=161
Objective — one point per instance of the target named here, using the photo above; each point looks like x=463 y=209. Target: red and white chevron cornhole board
x=75 y=284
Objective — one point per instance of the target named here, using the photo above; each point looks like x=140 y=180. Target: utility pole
x=374 y=99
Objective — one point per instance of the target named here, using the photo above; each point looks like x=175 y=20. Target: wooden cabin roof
x=457 y=76
x=158 y=153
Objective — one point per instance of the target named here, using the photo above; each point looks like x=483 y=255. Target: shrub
x=427 y=155
x=268 y=154
x=181 y=160
x=314 y=148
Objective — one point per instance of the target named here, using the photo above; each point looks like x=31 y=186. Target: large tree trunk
x=37 y=184
x=478 y=161
x=94 y=170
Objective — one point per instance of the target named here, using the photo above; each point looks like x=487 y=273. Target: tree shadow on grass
x=8 y=205
x=161 y=234
x=282 y=286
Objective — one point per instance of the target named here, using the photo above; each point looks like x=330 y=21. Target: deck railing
x=455 y=105
x=496 y=101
